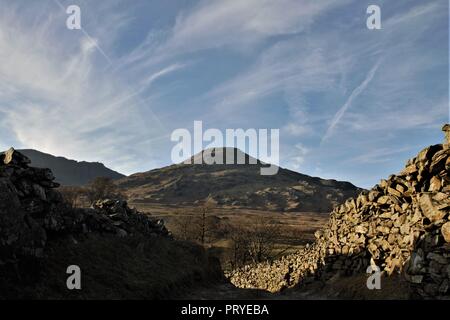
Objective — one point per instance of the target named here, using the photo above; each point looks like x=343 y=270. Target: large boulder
x=12 y=157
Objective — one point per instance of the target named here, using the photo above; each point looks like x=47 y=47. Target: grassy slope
x=238 y=185
x=118 y=268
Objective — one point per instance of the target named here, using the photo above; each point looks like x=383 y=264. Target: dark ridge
x=70 y=172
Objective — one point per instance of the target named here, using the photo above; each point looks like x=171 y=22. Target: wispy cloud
x=303 y=66
x=215 y=24
x=56 y=97
x=414 y=13
x=379 y=155
x=286 y=66
x=234 y=24
x=162 y=73
x=298 y=158
x=298 y=130
x=354 y=95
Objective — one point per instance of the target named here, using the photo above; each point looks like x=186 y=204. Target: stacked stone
x=129 y=221
x=401 y=225
x=32 y=210
x=277 y=275
x=28 y=205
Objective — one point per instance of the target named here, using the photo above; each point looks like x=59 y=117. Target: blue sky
x=351 y=103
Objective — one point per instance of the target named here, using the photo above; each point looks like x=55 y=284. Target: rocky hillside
x=70 y=172
x=401 y=226
x=121 y=252
x=239 y=185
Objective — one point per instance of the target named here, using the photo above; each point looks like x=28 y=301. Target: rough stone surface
x=31 y=211
x=446 y=129
x=446 y=231
x=401 y=225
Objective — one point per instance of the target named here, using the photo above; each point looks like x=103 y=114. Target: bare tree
x=102 y=188
x=197 y=226
x=262 y=239
x=206 y=208
x=255 y=243
x=72 y=195
x=184 y=227
x=240 y=244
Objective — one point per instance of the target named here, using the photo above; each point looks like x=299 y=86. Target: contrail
x=349 y=101
x=88 y=36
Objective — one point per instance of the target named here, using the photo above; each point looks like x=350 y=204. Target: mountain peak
x=235 y=185
x=222 y=155
x=70 y=172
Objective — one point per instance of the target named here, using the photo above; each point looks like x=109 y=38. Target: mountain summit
x=236 y=185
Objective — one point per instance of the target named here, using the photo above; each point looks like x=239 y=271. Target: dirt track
x=340 y=288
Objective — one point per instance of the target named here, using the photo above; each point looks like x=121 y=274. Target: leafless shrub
x=73 y=195
x=103 y=188
x=254 y=243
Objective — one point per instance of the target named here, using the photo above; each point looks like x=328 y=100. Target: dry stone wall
x=402 y=225
x=32 y=211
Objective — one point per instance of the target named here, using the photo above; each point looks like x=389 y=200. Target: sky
x=350 y=103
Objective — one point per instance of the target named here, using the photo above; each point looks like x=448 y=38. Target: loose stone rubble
x=129 y=221
x=401 y=225
x=32 y=211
